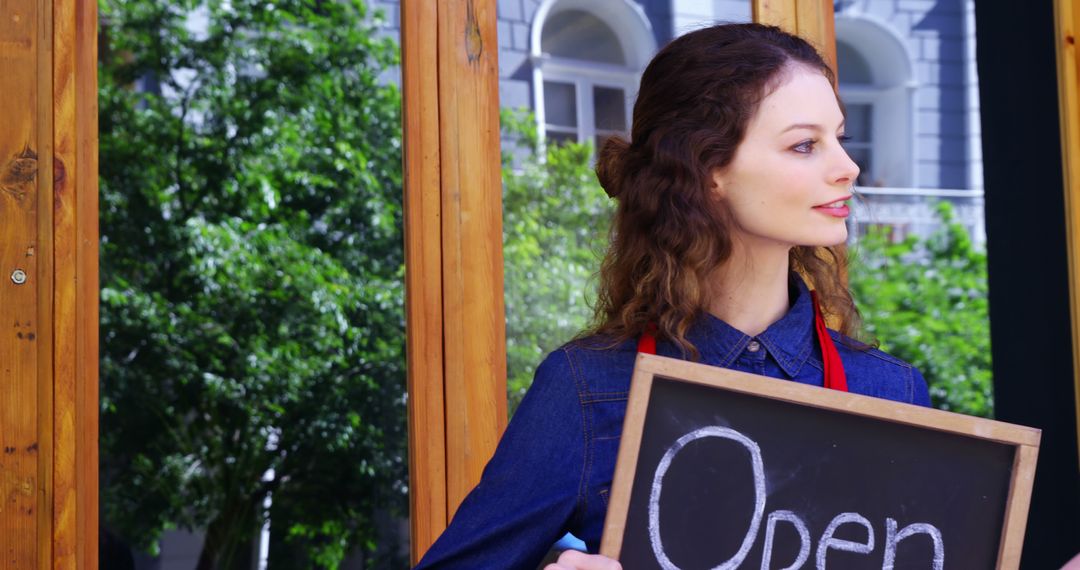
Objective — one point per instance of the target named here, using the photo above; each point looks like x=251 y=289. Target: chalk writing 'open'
x=827 y=540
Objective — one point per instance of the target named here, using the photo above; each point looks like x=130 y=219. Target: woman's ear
x=717 y=184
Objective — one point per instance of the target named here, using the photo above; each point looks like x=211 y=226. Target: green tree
x=926 y=301
x=252 y=262
x=555 y=220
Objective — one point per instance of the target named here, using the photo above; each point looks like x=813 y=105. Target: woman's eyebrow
x=811 y=126
x=808 y=126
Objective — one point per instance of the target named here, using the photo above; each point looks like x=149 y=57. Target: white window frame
x=891 y=134
x=584 y=76
x=634 y=32
x=891 y=96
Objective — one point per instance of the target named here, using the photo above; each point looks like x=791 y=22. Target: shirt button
x=753 y=346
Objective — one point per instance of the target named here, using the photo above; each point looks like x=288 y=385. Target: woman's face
x=790 y=178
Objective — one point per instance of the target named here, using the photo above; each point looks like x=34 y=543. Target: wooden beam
x=816 y=22
x=72 y=198
x=779 y=13
x=24 y=274
x=65 y=163
x=1067 y=27
x=474 y=323
x=48 y=284
x=87 y=282
x=813 y=20
x=423 y=283
x=454 y=265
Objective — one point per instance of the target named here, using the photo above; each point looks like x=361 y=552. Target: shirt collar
x=789 y=340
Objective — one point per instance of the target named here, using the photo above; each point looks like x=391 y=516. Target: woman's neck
x=751 y=290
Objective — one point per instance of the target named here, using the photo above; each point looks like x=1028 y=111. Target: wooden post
x=1067 y=26
x=25 y=416
x=813 y=20
x=48 y=284
x=423 y=283
x=454 y=265
x=780 y=13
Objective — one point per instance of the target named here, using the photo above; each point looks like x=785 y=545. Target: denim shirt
x=553 y=467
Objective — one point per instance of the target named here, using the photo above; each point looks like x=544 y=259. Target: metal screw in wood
x=18 y=277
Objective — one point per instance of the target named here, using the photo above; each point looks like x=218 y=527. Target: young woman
x=733 y=184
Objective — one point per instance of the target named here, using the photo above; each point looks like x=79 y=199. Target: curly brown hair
x=697 y=97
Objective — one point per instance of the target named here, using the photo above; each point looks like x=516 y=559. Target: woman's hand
x=574 y=560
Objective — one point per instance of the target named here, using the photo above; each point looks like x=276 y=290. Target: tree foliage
x=927 y=303
x=252 y=262
x=555 y=220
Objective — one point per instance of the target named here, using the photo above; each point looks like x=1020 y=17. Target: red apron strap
x=647 y=341
x=835 y=378
x=830 y=358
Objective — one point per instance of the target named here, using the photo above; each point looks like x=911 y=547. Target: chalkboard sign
x=723 y=469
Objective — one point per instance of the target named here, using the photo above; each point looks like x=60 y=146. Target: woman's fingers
x=574 y=560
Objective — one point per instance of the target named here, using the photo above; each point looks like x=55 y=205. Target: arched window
x=877 y=86
x=587 y=59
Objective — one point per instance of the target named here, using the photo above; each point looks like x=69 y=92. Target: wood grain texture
x=74 y=284
x=780 y=13
x=626 y=462
x=48 y=347
x=86 y=283
x=473 y=312
x=423 y=283
x=22 y=496
x=816 y=23
x=454 y=265
x=1067 y=28
x=1016 y=511
x=867 y=406
x=64 y=536
x=813 y=20
x=46 y=276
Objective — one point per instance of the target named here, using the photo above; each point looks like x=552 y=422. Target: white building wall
x=689 y=15
x=939 y=34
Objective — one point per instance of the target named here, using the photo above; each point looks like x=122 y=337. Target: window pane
x=853 y=67
x=609 y=106
x=858 y=123
x=560 y=104
x=557 y=138
x=861 y=156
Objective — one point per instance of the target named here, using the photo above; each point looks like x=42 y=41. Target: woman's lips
x=838 y=208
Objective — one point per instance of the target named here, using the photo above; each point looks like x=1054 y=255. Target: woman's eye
x=805 y=147
x=843 y=139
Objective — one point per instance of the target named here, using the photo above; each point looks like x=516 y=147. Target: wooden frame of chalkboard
x=950 y=454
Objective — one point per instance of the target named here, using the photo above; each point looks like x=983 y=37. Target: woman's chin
x=830 y=239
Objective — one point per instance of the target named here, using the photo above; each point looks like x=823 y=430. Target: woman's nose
x=847 y=172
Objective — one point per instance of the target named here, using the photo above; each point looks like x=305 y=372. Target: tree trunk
x=210 y=558
x=226 y=536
